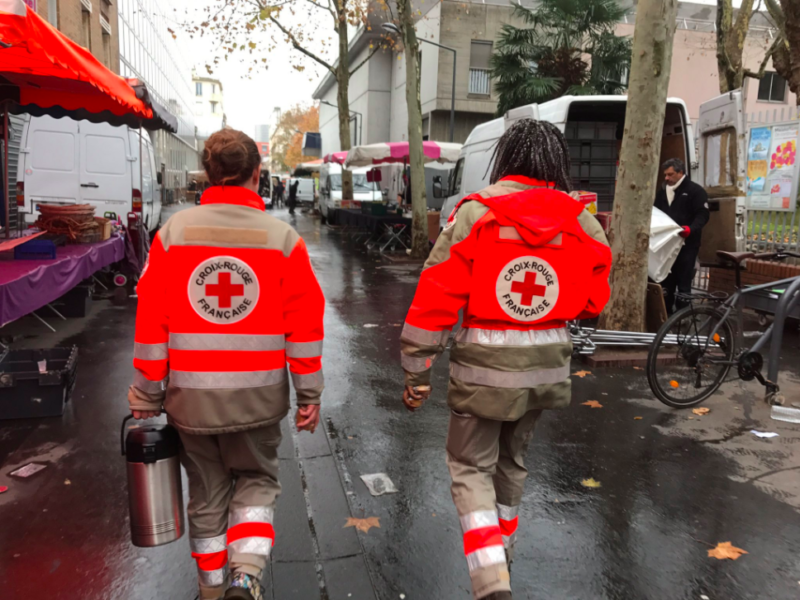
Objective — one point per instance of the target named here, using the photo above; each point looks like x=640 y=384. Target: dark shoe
x=244 y=587
x=499 y=596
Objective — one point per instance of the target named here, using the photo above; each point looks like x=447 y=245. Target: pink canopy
x=397 y=152
x=335 y=157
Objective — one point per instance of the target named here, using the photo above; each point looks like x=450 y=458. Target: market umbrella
x=335 y=157
x=398 y=152
x=42 y=72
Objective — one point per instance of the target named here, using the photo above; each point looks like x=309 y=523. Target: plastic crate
x=36 y=249
x=593 y=150
x=27 y=393
x=604 y=169
x=591 y=130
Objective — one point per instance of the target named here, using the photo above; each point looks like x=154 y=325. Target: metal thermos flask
x=155 y=494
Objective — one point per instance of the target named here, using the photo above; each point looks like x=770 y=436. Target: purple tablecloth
x=27 y=285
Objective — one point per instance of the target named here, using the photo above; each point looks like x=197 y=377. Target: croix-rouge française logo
x=223 y=290
x=527 y=288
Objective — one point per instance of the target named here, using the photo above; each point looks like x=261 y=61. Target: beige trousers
x=233 y=486
x=486 y=462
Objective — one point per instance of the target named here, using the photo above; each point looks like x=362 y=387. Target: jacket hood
x=538 y=214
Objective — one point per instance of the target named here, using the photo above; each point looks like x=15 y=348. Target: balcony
x=479 y=82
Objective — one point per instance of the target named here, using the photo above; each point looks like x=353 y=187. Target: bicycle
x=695 y=349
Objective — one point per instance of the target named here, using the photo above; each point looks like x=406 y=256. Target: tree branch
x=370 y=55
x=299 y=47
x=762 y=69
x=325 y=8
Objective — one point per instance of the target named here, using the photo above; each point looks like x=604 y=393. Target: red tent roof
x=43 y=72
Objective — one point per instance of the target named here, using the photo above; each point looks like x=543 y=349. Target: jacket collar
x=522 y=182
x=232 y=194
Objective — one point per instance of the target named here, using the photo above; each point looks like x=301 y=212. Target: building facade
x=262 y=140
x=209 y=106
x=148 y=52
x=377 y=89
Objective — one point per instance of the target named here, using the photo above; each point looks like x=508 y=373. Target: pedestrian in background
x=686 y=203
x=227 y=299
x=293 y=195
x=521 y=258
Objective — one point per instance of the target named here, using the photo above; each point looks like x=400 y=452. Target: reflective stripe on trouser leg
x=250 y=530
x=483 y=540
x=211 y=555
x=509 y=521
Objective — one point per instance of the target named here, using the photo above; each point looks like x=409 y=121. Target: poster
x=772 y=168
x=757 y=153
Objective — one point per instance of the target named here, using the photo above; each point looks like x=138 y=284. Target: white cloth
x=665 y=245
x=671 y=190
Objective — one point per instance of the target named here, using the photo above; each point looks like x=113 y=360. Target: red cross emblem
x=224 y=290
x=529 y=289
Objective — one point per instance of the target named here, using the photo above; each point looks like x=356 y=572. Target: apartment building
x=471 y=28
x=209 y=106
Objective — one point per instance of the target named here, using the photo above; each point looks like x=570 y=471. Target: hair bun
x=230 y=157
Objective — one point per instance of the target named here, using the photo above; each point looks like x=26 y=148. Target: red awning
x=43 y=72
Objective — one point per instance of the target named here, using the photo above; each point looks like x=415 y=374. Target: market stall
x=42 y=72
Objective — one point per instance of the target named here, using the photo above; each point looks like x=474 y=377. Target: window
x=213 y=88
x=480 y=54
x=107 y=49
x=86 y=29
x=213 y=107
x=772 y=88
x=198 y=89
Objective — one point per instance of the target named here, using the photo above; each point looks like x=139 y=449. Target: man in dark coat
x=293 y=196
x=687 y=204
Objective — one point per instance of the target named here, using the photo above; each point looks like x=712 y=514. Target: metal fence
x=479 y=82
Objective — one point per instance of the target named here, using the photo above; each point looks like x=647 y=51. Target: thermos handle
x=122 y=432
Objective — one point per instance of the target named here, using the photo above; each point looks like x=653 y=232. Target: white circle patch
x=527 y=288
x=223 y=290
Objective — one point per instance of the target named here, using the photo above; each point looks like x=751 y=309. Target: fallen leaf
x=638 y=368
x=590 y=483
x=67 y=482
x=637 y=418
x=363 y=524
x=582 y=374
x=369 y=326
x=691 y=418
x=725 y=550
x=675 y=384
x=701 y=411
x=593 y=404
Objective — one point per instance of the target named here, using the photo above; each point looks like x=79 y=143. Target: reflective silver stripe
x=423 y=336
x=414 y=364
x=250 y=514
x=305 y=382
x=509 y=540
x=225 y=341
x=226 y=380
x=144 y=384
x=304 y=349
x=513 y=337
x=150 y=351
x=478 y=520
x=209 y=545
x=509 y=379
x=486 y=557
x=507 y=513
x=260 y=546
x=213 y=578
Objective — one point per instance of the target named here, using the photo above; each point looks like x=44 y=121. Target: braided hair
x=535 y=149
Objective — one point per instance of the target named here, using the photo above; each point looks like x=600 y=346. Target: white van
x=330 y=188
x=305 y=191
x=583 y=119
x=63 y=161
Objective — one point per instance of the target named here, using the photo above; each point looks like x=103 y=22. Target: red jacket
x=521 y=260
x=227 y=299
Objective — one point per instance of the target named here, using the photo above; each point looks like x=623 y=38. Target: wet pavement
x=674 y=484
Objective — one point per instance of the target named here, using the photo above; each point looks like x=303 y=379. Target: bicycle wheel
x=689 y=360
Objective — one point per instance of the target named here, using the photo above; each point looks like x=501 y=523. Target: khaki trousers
x=233 y=486
x=486 y=462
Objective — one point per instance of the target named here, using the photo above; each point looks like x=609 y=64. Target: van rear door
x=722 y=159
x=105 y=168
x=50 y=171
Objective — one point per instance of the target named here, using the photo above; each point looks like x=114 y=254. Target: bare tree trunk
x=791 y=27
x=731 y=36
x=420 y=246
x=343 y=103
x=639 y=163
